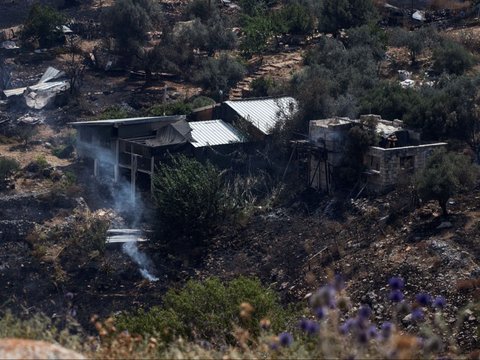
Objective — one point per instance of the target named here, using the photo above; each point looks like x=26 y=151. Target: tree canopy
x=445 y=174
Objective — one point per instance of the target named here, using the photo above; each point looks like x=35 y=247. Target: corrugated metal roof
x=130 y=121
x=51 y=74
x=264 y=113
x=63 y=85
x=214 y=132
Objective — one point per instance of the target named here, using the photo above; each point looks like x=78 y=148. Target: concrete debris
x=29 y=119
x=407 y=84
x=404 y=75
x=9 y=45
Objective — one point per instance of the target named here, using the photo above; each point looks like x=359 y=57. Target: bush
x=453 y=58
x=189 y=199
x=344 y=14
x=444 y=175
x=43 y=24
x=128 y=22
x=220 y=74
x=175 y=108
x=38 y=326
x=209 y=310
x=261 y=86
x=115 y=112
x=7 y=167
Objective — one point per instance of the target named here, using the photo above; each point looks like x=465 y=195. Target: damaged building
x=399 y=153
x=132 y=148
x=46 y=92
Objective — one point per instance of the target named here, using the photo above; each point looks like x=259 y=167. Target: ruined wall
x=388 y=166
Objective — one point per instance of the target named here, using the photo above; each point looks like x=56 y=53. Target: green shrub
x=114 y=112
x=43 y=24
x=41 y=162
x=175 y=108
x=201 y=101
x=38 y=326
x=444 y=175
x=453 y=58
x=219 y=74
x=7 y=167
x=189 y=199
x=261 y=86
x=209 y=310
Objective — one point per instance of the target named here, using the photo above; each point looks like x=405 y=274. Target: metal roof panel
x=264 y=114
x=214 y=132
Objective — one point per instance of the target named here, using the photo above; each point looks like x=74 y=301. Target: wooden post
x=133 y=176
x=116 y=167
x=95 y=167
x=152 y=172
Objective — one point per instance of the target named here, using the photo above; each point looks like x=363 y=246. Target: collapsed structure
x=42 y=94
x=399 y=153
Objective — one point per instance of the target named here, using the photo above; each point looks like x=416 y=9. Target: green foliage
x=342 y=75
x=43 y=24
x=253 y=7
x=344 y=14
x=451 y=57
x=174 y=108
x=219 y=74
x=389 y=100
x=294 y=18
x=7 y=167
x=359 y=139
x=201 y=101
x=128 y=22
x=257 y=30
x=447 y=110
x=189 y=199
x=41 y=162
x=38 y=326
x=201 y=9
x=209 y=310
x=445 y=174
x=261 y=86
x=114 y=112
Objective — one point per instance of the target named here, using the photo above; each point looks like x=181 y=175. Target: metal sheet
x=264 y=114
x=214 y=132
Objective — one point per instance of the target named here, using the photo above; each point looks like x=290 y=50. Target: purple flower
x=439 y=302
x=423 y=299
x=417 y=314
x=396 y=296
x=372 y=331
x=396 y=283
x=346 y=326
x=362 y=337
x=285 y=339
x=303 y=324
x=273 y=346
x=325 y=296
x=312 y=327
x=365 y=312
x=321 y=313
x=387 y=328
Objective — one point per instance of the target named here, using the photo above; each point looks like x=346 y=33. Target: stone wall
x=389 y=166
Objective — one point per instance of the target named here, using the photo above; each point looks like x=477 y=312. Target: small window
x=407 y=163
x=374 y=162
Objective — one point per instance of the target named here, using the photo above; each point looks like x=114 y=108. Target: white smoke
x=145 y=265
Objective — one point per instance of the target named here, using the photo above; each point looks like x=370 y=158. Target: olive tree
x=445 y=174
